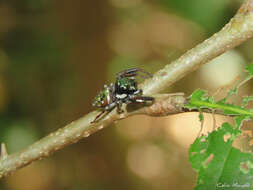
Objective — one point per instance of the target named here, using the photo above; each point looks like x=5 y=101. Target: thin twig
x=238 y=30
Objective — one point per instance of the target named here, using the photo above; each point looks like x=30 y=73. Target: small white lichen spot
x=121 y=116
x=187 y=61
x=66 y=131
x=86 y=134
x=100 y=127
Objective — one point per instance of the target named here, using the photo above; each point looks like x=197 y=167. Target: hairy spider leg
x=127 y=73
x=133 y=72
x=112 y=90
x=106 y=109
x=140 y=99
x=139 y=91
x=119 y=104
x=98 y=116
x=149 y=75
x=111 y=106
x=112 y=87
x=130 y=99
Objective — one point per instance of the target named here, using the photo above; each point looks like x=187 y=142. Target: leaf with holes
x=218 y=164
x=199 y=99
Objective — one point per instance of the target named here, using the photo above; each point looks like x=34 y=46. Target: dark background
x=56 y=55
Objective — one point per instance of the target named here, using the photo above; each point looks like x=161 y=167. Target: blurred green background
x=56 y=55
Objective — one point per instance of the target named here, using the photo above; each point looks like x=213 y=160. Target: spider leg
x=112 y=87
x=111 y=106
x=107 y=109
x=143 y=76
x=98 y=116
x=128 y=73
x=119 y=104
x=141 y=99
x=148 y=75
x=139 y=91
x=133 y=72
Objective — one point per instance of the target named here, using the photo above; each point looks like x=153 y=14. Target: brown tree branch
x=238 y=30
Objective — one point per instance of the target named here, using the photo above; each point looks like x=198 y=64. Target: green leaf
x=219 y=165
x=217 y=162
x=249 y=68
x=199 y=96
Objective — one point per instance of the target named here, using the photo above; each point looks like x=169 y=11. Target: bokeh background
x=56 y=55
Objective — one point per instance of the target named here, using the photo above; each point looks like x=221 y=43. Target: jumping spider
x=124 y=90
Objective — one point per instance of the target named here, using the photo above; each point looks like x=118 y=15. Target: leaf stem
x=235 y=110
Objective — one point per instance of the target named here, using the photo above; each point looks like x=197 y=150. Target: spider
x=124 y=90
